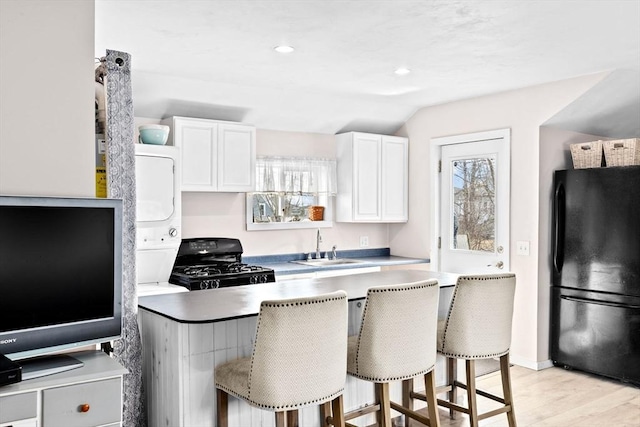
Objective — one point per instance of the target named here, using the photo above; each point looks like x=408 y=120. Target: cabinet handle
x=84 y=407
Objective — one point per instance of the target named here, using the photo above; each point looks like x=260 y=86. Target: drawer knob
x=84 y=407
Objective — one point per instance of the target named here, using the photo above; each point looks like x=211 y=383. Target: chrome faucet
x=318 y=240
x=334 y=255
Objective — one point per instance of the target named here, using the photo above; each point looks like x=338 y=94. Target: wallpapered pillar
x=121 y=184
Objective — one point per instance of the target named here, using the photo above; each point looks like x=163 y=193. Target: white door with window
x=472 y=212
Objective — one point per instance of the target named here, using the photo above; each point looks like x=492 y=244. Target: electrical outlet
x=364 y=241
x=522 y=247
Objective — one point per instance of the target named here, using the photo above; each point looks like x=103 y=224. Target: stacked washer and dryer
x=159 y=217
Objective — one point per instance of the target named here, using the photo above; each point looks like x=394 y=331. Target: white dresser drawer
x=24 y=423
x=63 y=406
x=18 y=407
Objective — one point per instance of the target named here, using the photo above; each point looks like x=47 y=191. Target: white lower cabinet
x=85 y=397
x=297 y=276
x=346 y=272
x=326 y=273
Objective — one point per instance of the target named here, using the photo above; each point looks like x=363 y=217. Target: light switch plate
x=522 y=247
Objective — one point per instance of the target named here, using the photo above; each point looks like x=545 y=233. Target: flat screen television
x=60 y=277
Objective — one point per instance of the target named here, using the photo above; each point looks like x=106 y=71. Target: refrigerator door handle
x=599 y=302
x=559 y=217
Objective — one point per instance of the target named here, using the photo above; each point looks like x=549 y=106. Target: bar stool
x=397 y=341
x=478 y=326
x=299 y=359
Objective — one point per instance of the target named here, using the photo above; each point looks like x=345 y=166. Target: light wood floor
x=556 y=397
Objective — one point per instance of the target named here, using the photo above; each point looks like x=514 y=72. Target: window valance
x=296 y=175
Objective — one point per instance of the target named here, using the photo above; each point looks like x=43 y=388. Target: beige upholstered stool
x=397 y=341
x=299 y=359
x=478 y=326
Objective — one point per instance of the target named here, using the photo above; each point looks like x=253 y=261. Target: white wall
x=523 y=111
x=223 y=214
x=47 y=97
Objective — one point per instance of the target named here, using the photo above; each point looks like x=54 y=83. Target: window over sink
x=292 y=192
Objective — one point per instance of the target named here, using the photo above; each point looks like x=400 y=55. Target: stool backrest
x=478 y=324
x=300 y=351
x=397 y=338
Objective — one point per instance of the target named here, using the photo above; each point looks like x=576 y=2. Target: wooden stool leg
x=506 y=388
x=280 y=419
x=407 y=389
x=292 y=418
x=471 y=393
x=337 y=406
x=452 y=377
x=385 y=404
x=325 y=411
x=377 y=399
x=222 y=408
x=432 y=404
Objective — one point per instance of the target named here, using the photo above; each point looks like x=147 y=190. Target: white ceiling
x=215 y=59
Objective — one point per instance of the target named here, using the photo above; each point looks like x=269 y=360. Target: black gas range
x=215 y=262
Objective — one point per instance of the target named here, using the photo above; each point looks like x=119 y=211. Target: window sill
x=256 y=226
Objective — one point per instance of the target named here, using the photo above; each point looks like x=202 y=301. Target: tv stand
x=89 y=395
x=41 y=366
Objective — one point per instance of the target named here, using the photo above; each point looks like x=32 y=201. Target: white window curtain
x=296 y=175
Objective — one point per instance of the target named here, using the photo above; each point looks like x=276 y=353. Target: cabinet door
x=198 y=142
x=366 y=176
x=394 y=179
x=236 y=157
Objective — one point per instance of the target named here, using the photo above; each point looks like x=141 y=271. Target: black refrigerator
x=595 y=293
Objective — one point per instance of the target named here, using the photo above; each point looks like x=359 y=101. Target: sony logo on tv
x=8 y=341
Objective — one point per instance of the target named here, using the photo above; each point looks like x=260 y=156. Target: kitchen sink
x=328 y=262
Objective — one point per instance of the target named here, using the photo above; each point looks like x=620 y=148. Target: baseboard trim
x=529 y=364
x=546 y=364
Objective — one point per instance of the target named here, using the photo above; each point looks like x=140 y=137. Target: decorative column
x=121 y=184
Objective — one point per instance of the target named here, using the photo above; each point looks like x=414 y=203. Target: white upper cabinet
x=373 y=177
x=216 y=156
x=395 y=179
x=236 y=157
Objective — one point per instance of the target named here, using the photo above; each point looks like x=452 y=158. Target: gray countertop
x=283 y=268
x=216 y=305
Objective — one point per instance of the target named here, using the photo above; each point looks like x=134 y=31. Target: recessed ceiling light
x=283 y=49
x=402 y=71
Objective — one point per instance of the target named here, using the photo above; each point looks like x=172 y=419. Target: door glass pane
x=474 y=189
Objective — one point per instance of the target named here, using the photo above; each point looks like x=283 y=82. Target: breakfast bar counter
x=186 y=335
x=241 y=301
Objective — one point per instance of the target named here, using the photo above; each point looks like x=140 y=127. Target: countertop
x=216 y=305
x=282 y=265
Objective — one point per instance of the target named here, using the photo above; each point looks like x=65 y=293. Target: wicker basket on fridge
x=622 y=152
x=586 y=154
x=316 y=213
